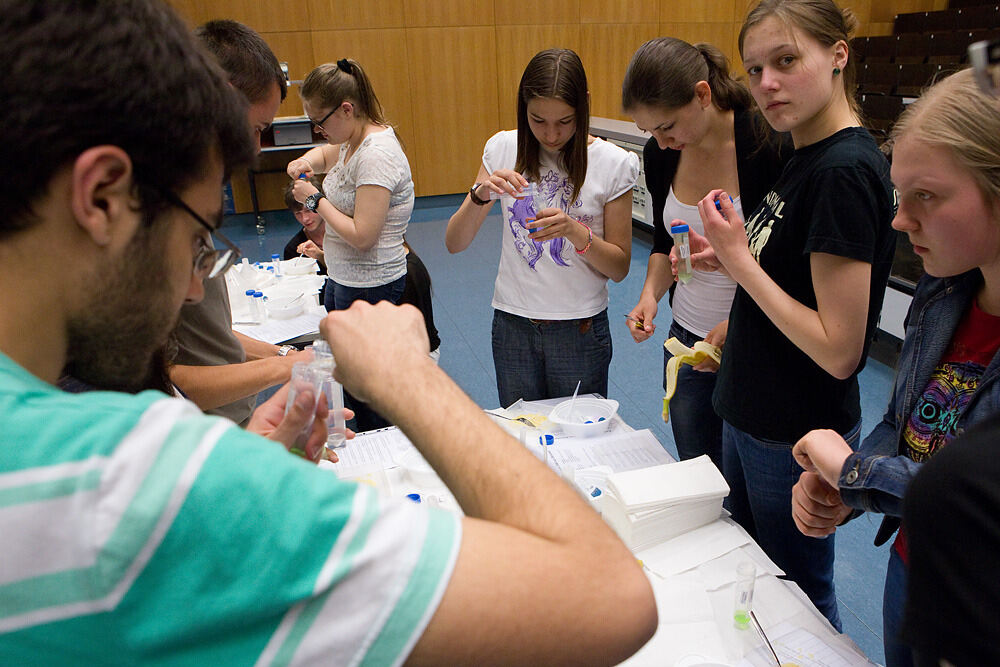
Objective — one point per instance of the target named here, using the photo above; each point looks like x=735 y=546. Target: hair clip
x=344 y=66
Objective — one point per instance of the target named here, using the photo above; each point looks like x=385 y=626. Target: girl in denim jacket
x=946 y=166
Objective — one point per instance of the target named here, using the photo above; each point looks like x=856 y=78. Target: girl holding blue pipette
x=560 y=246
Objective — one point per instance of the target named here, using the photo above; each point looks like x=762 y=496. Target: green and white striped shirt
x=136 y=530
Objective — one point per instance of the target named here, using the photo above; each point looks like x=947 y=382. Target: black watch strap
x=312 y=201
x=476 y=200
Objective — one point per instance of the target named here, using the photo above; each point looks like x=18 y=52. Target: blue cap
x=249 y=292
x=679 y=229
x=546 y=439
x=718 y=204
x=415 y=497
x=275 y=256
x=258 y=294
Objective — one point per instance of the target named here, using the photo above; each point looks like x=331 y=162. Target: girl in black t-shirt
x=812 y=262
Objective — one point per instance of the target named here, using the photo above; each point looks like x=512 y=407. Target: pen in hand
x=637 y=323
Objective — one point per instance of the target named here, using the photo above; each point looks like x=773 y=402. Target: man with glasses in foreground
x=136 y=530
x=216 y=367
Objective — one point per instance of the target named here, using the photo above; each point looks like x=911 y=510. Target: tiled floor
x=462 y=290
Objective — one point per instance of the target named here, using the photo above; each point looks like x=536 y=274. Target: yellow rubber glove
x=684 y=355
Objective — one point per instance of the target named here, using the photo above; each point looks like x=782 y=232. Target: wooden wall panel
x=699 y=11
x=550 y=12
x=516 y=45
x=261 y=16
x=434 y=13
x=723 y=35
x=296 y=49
x=446 y=71
x=862 y=10
x=606 y=51
x=352 y=14
x=453 y=88
x=617 y=11
x=384 y=57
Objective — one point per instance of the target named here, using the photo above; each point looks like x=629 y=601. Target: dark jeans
x=897 y=654
x=538 y=359
x=761 y=474
x=340 y=297
x=697 y=429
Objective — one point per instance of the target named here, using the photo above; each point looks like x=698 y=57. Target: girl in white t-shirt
x=367 y=194
x=550 y=323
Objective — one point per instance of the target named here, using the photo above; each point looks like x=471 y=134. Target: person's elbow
x=365 y=243
x=453 y=241
x=644 y=611
x=620 y=271
x=635 y=613
x=630 y=617
x=843 y=365
x=619 y=275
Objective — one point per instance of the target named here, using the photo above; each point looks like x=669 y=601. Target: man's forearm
x=213 y=386
x=256 y=349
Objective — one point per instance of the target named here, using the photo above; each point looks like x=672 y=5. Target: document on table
x=691 y=549
x=619 y=451
x=275 y=330
x=381 y=447
x=804 y=649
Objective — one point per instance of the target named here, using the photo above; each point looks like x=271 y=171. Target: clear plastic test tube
x=746 y=576
x=680 y=234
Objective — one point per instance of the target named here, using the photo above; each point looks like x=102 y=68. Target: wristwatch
x=312 y=201
x=476 y=200
x=284 y=350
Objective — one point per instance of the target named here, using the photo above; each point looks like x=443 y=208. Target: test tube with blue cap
x=258 y=299
x=680 y=234
x=718 y=206
x=252 y=306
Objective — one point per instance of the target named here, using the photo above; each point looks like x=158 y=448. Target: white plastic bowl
x=284 y=308
x=590 y=417
x=299 y=266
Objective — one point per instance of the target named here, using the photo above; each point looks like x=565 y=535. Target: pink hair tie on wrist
x=590 y=239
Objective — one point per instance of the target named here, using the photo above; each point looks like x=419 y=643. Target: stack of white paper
x=650 y=505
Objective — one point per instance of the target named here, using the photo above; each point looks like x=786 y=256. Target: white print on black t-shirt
x=759 y=231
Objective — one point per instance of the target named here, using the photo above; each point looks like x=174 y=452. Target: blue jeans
x=538 y=359
x=697 y=429
x=761 y=474
x=897 y=654
x=340 y=297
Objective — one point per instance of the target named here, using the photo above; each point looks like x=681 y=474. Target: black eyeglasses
x=319 y=123
x=209 y=262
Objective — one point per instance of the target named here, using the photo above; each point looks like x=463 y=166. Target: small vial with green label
x=680 y=234
x=746 y=575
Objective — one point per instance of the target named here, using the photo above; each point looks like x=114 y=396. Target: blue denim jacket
x=875 y=477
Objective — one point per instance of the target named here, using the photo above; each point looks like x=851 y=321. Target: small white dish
x=590 y=416
x=299 y=266
x=284 y=308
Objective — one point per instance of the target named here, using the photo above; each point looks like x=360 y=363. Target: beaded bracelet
x=590 y=239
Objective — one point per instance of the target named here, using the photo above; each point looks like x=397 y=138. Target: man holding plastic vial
x=137 y=530
x=217 y=368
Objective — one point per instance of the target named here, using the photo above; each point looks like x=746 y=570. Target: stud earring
x=836 y=71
